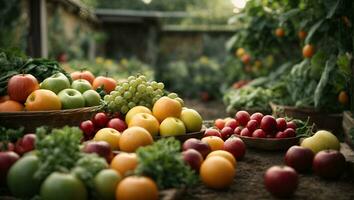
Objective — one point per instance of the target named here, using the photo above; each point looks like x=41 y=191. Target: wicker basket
x=56 y=118
x=327 y=121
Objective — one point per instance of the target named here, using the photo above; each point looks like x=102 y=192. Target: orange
x=214 y=142
x=11 y=106
x=109 y=135
x=166 y=107
x=279 y=32
x=4 y=98
x=308 y=51
x=217 y=172
x=302 y=35
x=133 y=138
x=40 y=100
x=224 y=154
x=124 y=163
x=137 y=188
x=343 y=98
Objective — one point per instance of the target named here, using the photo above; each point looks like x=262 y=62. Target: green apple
x=56 y=83
x=321 y=140
x=105 y=183
x=192 y=120
x=71 y=98
x=172 y=126
x=92 y=98
x=81 y=85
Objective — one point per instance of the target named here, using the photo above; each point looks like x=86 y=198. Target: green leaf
x=333 y=9
x=320 y=89
x=313 y=30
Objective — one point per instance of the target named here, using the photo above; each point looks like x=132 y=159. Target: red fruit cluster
x=256 y=125
x=102 y=120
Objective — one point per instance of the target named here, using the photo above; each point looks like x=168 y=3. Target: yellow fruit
x=133 y=138
x=214 y=142
x=166 y=107
x=136 y=110
x=109 y=135
x=147 y=121
x=217 y=172
x=240 y=52
x=224 y=154
x=41 y=100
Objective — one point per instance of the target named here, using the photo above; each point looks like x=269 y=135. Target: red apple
x=212 y=132
x=329 y=164
x=25 y=144
x=7 y=159
x=259 y=133
x=117 y=124
x=246 y=132
x=87 y=75
x=193 y=158
x=107 y=83
x=281 y=134
x=299 y=158
x=291 y=125
x=9 y=146
x=290 y=132
x=219 y=123
x=257 y=116
x=101 y=148
x=281 y=181
x=226 y=132
x=281 y=124
x=88 y=128
x=100 y=120
x=202 y=147
x=242 y=117
x=237 y=130
x=236 y=147
x=252 y=125
x=232 y=123
x=19 y=87
x=268 y=124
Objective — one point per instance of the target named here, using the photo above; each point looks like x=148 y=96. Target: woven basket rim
x=51 y=112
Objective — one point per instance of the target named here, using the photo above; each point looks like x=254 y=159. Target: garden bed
x=248 y=183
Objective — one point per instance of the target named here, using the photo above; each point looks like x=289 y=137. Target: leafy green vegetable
x=13 y=62
x=9 y=135
x=162 y=161
x=58 y=150
x=304 y=128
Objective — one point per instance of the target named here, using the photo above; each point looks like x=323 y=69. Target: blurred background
x=204 y=50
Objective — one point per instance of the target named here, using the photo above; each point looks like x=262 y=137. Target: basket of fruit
x=262 y=131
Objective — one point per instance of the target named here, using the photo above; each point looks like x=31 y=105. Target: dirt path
x=248 y=183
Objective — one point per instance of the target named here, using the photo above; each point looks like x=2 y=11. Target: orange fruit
x=166 y=107
x=217 y=172
x=137 y=188
x=279 y=32
x=214 y=142
x=302 y=35
x=224 y=154
x=109 y=135
x=133 y=138
x=4 y=98
x=42 y=99
x=11 y=106
x=124 y=163
x=343 y=98
x=246 y=59
x=308 y=51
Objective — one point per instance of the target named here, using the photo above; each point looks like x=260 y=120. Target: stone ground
x=248 y=183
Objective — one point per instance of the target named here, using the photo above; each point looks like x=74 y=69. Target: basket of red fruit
x=263 y=131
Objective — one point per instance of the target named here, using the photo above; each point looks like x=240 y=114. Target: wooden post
x=37 y=44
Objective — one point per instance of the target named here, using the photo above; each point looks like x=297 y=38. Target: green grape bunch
x=134 y=91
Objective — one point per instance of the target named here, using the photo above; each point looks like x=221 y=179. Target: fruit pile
x=167 y=118
x=319 y=153
x=256 y=125
x=55 y=92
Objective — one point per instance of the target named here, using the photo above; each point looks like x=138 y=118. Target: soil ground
x=248 y=183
